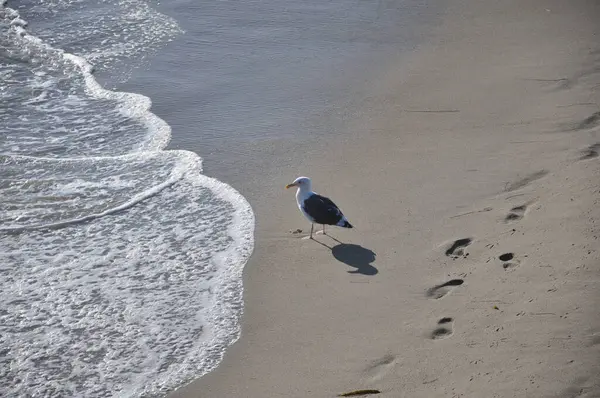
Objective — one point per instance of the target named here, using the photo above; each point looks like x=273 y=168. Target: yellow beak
x=289 y=186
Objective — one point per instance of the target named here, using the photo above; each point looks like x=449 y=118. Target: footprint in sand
x=444 y=329
x=508 y=260
x=457 y=249
x=589 y=122
x=516 y=213
x=380 y=367
x=594 y=339
x=523 y=182
x=439 y=291
x=590 y=152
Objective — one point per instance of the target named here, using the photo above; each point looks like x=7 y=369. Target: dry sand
x=487 y=135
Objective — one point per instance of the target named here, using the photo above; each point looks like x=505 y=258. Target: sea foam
x=120 y=262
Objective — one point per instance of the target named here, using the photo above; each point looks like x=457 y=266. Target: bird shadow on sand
x=355 y=256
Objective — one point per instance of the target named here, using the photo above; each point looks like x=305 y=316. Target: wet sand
x=471 y=177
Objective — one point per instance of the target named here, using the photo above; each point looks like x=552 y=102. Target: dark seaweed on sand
x=359 y=392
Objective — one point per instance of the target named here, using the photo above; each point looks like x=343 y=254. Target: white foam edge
x=135 y=106
x=224 y=317
x=191 y=162
x=241 y=230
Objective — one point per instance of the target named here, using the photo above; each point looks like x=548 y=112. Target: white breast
x=301 y=196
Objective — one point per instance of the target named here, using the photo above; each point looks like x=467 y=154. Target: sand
x=471 y=176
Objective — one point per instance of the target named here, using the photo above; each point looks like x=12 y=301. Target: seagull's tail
x=344 y=223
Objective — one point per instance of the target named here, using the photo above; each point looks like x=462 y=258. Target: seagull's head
x=302 y=183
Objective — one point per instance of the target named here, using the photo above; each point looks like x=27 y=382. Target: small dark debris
x=359 y=392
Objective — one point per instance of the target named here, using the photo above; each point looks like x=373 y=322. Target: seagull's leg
x=324 y=230
x=311 y=229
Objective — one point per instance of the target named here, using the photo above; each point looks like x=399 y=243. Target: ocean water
x=260 y=72
x=120 y=262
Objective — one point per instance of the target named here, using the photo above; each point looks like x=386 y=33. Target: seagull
x=316 y=208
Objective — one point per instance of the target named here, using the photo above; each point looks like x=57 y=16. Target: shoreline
x=486 y=134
